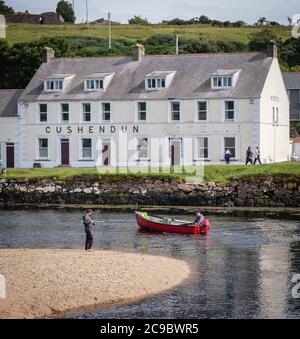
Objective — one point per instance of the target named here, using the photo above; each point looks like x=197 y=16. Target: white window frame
x=196 y=148
x=83 y=113
x=61 y=121
x=56 y=85
x=158 y=81
x=38 y=157
x=90 y=81
x=148 y=149
x=81 y=158
x=38 y=113
x=224 y=110
x=102 y=112
x=137 y=120
x=224 y=83
x=196 y=119
x=170 y=112
x=223 y=147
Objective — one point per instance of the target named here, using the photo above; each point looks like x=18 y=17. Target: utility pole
x=109 y=31
x=73 y=5
x=177 y=44
x=87 y=12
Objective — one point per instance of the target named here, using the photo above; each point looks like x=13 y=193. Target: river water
x=243 y=269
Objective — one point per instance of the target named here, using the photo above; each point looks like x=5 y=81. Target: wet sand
x=46 y=282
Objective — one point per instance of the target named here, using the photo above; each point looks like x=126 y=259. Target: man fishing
x=199 y=218
x=89 y=229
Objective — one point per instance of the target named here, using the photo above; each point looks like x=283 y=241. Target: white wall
x=274 y=140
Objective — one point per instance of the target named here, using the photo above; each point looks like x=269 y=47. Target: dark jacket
x=88 y=224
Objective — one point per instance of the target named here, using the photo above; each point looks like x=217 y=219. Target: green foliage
x=259 y=40
x=4 y=9
x=64 y=8
x=138 y=20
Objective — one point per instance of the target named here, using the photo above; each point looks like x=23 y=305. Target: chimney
x=48 y=54
x=272 y=50
x=138 y=52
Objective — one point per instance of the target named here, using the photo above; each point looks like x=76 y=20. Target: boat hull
x=149 y=225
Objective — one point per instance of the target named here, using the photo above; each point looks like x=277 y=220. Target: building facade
x=292 y=83
x=158 y=110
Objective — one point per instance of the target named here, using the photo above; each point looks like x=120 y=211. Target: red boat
x=168 y=225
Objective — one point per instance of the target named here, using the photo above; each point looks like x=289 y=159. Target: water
x=243 y=269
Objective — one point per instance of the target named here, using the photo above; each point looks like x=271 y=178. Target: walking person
x=249 y=156
x=257 y=156
x=89 y=229
x=228 y=155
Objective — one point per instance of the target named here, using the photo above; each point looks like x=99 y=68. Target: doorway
x=10 y=155
x=65 y=152
x=106 y=153
x=175 y=150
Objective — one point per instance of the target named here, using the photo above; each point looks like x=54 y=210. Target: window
x=294 y=95
x=86 y=112
x=156 y=83
x=202 y=111
x=86 y=148
x=142 y=148
x=222 y=82
x=229 y=110
x=93 y=85
x=229 y=144
x=106 y=108
x=54 y=85
x=64 y=112
x=175 y=111
x=202 y=148
x=43 y=113
x=142 y=111
x=43 y=148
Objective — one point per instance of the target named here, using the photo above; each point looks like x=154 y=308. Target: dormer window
x=97 y=81
x=56 y=82
x=158 y=80
x=54 y=85
x=224 y=79
x=93 y=85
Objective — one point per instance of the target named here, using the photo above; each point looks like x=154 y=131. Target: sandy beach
x=46 y=282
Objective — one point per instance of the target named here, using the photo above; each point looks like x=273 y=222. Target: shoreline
x=44 y=283
x=271 y=212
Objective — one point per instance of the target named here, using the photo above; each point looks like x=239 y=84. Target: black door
x=10 y=155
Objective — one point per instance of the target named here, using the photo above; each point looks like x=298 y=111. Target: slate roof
x=9 y=102
x=191 y=80
x=291 y=80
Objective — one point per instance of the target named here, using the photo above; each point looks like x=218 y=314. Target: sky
x=158 y=10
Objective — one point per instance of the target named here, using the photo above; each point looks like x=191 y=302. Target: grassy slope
x=25 y=32
x=213 y=173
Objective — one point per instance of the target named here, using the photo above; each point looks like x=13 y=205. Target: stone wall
x=49 y=18
x=261 y=192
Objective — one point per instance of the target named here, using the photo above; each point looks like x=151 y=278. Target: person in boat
x=199 y=218
x=89 y=229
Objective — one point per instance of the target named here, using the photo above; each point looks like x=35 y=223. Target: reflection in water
x=243 y=269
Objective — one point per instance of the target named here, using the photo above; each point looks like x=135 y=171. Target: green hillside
x=26 y=33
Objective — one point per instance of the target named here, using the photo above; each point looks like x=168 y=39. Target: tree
x=205 y=20
x=259 y=40
x=274 y=23
x=262 y=21
x=65 y=9
x=239 y=23
x=138 y=20
x=4 y=9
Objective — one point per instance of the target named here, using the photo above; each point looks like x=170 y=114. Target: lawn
x=26 y=32
x=212 y=173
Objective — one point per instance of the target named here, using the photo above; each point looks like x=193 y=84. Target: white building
x=171 y=109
